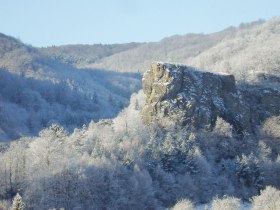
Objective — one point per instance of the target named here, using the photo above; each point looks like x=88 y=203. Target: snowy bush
x=183 y=204
x=17 y=203
x=226 y=203
x=4 y=204
x=269 y=199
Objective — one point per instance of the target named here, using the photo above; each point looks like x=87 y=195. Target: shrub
x=183 y=204
x=269 y=199
x=4 y=204
x=226 y=203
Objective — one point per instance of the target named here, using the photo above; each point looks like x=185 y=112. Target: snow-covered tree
x=17 y=204
x=183 y=204
x=249 y=172
x=269 y=199
x=226 y=203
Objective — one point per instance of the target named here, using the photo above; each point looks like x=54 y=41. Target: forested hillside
x=252 y=54
x=123 y=164
x=178 y=48
x=138 y=59
x=37 y=90
x=249 y=52
x=83 y=56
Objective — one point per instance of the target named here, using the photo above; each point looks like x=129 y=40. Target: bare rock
x=193 y=98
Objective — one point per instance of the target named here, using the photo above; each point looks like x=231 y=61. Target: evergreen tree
x=17 y=203
x=249 y=172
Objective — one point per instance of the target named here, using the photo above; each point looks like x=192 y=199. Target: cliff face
x=193 y=98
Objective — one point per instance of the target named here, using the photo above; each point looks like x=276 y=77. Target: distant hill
x=190 y=49
x=37 y=90
x=139 y=57
x=173 y=49
x=252 y=54
x=85 y=55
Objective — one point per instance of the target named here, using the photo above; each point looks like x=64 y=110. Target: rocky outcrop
x=193 y=98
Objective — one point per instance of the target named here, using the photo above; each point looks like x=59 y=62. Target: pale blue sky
x=57 y=22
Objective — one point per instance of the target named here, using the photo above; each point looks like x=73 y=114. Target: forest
x=123 y=164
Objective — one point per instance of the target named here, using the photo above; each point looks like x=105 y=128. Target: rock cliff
x=193 y=98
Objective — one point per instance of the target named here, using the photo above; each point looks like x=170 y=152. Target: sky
x=57 y=22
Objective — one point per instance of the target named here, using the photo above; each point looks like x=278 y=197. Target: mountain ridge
x=177 y=48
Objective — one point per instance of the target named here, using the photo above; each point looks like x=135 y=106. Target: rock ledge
x=193 y=98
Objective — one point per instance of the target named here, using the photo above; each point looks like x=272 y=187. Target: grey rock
x=188 y=97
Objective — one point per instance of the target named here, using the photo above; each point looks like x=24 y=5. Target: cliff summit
x=194 y=98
